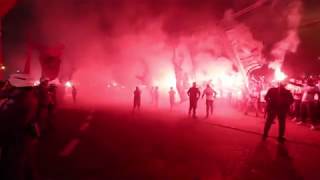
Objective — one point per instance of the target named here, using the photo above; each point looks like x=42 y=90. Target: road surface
x=104 y=143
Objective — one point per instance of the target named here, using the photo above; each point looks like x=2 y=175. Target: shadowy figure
x=263 y=166
x=136 y=100
x=74 y=94
x=151 y=92
x=252 y=103
x=156 y=97
x=45 y=105
x=210 y=96
x=284 y=168
x=258 y=164
x=194 y=95
x=52 y=105
x=172 y=98
x=278 y=100
x=18 y=132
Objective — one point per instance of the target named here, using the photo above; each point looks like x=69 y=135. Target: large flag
x=246 y=48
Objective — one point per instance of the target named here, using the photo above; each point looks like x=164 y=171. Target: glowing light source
x=36 y=83
x=114 y=84
x=165 y=81
x=279 y=75
x=3 y=67
x=68 y=84
x=227 y=80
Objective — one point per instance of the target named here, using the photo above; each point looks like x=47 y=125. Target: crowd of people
x=26 y=112
x=36 y=105
x=193 y=93
x=305 y=109
x=299 y=102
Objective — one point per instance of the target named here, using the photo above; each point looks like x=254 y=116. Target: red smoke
x=132 y=42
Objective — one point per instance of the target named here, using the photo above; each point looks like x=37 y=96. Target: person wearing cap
x=194 y=95
x=18 y=130
x=279 y=100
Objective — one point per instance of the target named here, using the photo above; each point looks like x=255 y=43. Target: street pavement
x=106 y=143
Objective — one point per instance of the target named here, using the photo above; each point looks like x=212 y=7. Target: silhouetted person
x=278 y=100
x=52 y=104
x=210 y=96
x=136 y=99
x=194 y=95
x=43 y=95
x=297 y=96
x=152 y=95
x=307 y=103
x=74 y=94
x=172 y=94
x=252 y=103
x=17 y=130
x=156 y=97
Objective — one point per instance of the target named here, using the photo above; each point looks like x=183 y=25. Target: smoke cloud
x=132 y=42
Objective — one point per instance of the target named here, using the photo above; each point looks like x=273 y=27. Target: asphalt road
x=103 y=143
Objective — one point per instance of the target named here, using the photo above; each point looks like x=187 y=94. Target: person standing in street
x=156 y=97
x=194 y=95
x=210 y=96
x=136 y=99
x=279 y=100
x=74 y=94
x=252 y=103
x=172 y=94
x=307 y=103
x=44 y=99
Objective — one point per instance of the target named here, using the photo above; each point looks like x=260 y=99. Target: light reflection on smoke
x=131 y=44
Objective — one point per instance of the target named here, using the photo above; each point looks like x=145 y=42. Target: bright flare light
x=166 y=81
x=3 y=67
x=36 y=83
x=279 y=75
x=114 y=84
x=68 y=84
